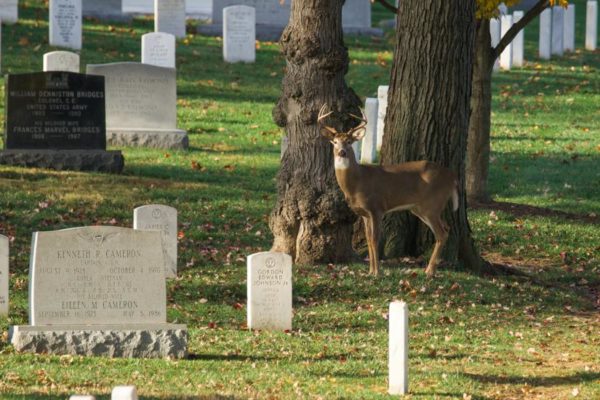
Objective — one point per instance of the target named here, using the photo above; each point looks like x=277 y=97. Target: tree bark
x=428 y=115
x=478 y=147
x=311 y=220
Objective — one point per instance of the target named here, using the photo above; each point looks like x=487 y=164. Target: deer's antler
x=362 y=124
x=322 y=116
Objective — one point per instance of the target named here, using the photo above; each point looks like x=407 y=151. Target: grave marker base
x=157 y=139
x=127 y=341
x=74 y=160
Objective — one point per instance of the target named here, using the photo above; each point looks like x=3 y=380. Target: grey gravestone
x=164 y=219
x=4 y=276
x=369 y=142
x=138 y=6
x=518 y=42
x=495 y=38
x=65 y=23
x=558 y=24
x=239 y=34
x=196 y=8
x=158 y=48
x=104 y=9
x=269 y=288
x=98 y=291
x=57 y=120
x=169 y=17
x=382 y=99
x=9 y=11
x=591 y=25
x=569 y=31
x=545 y=34
x=61 y=61
x=141 y=105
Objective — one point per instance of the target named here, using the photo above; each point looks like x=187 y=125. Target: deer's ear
x=327 y=133
x=359 y=134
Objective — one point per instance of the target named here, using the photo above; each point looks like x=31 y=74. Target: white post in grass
x=591 y=25
x=398 y=348
x=368 y=151
x=569 y=32
x=506 y=22
x=517 y=43
x=545 y=32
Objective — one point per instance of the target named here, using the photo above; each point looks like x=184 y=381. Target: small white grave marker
x=164 y=219
x=382 y=98
x=569 y=32
x=81 y=397
x=4 y=275
x=169 y=17
x=506 y=56
x=398 y=348
x=591 y=25
x=158 y=48
x=269 y=291
x=558 y=24
x=239 y=34
x=369 y=142
x=61 y=61
x=9 y=11
x=124 y=393
x=65 y=23
x=495 y=38
x=545 y=33
x=518 y=47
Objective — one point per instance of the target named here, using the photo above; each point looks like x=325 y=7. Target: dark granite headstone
x=57 y=120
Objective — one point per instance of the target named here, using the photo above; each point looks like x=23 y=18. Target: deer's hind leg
x=440 y=232
x=373 y=233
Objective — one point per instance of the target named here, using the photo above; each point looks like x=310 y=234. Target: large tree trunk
x=311 y=220
x=478 y=148
x=428 y=114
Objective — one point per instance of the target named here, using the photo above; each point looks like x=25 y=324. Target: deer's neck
x=346 y=171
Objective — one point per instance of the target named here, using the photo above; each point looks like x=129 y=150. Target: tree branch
x=386 y=5
x=517 y=27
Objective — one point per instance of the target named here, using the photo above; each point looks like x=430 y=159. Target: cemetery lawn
x=504 y=337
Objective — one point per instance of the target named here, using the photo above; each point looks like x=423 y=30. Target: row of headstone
x=557 y=30
x=513 y=54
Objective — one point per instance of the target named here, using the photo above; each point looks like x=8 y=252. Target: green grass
x=502 y=338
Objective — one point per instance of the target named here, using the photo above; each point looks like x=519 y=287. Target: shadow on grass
x=229 y=357
x=8 y=396
x=577 y=378
x=438 y=395
x=525 y=210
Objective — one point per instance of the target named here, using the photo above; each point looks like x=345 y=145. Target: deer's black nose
x=342 y=153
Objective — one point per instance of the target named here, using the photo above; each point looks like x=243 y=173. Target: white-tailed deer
x=421 y=187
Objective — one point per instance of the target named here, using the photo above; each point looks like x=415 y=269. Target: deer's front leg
x=374 y=234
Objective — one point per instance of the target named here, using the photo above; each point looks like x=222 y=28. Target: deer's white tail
x=455 y=197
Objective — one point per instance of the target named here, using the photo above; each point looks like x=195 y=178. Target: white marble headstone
x=9 y=11
x=558 y=24
x=591 y=25
x=382 y=98
x=398 y=348
x=269 y=290
x=65 y=23
x=169 y=17
x=61 y=61
x=158 y=48
x=82 y=397
x=239 y=34
x=495 y=38
x=545 y=34
x=569 y=31
x=506 y=55
x=369 y=142
x=4 y=277
x=97 y=275
x=124 y=393
x=164 y=219
x=518 y=47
